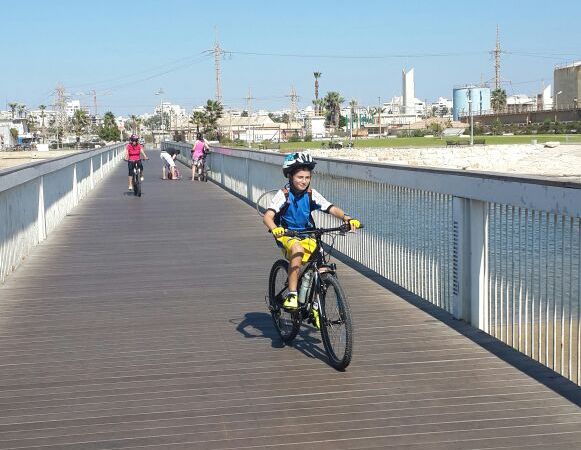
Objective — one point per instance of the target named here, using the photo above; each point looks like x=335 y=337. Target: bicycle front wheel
x=287 y=323
x=336 y=324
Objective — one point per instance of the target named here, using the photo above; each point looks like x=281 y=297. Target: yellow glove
x=354 y=224
x=278 y=232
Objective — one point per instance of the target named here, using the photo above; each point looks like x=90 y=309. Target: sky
x=128 y=50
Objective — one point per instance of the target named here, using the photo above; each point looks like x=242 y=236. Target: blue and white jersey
x=294 y=211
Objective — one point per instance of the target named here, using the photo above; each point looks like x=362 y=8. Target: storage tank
x=480 y=100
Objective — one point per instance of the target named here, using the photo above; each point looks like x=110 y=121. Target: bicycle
x=321 y=290
x=202 y=168
x=136 y=179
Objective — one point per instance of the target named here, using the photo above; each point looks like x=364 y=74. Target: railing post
x=92 y=174
x=470 y=289
x=75 y=189
x=248 y=187
x=41 y=219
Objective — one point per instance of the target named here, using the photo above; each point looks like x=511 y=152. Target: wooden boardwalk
x=141 y=323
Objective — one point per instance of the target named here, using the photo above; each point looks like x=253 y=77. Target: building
x=544 y=99
x=74 y=105
x=442 y=107
x=479 y=95
x=408 y=92
x=315 y=126
x=520 y=103
x=257 y=128
x=567 y=82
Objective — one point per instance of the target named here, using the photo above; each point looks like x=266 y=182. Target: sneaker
x=290 y=302
x=130 y=188
x=316 y=318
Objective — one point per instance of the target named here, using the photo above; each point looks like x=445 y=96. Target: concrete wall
x=567 y=80
x=36 y=197
x=527 y=117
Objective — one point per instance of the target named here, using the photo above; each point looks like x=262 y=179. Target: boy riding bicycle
x=291 y=209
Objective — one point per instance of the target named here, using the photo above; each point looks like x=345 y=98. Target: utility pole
x=293 y=103
x=249 y=99
x=497 y=52
x=218 y=52
x=61 y=114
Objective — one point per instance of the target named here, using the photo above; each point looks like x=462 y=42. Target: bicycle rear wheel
x=287 y=323
x=336 y=324
x=136 y=183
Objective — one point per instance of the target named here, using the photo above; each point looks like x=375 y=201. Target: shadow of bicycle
x=260 y=325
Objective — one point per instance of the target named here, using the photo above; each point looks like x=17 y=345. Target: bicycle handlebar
x=319 y=231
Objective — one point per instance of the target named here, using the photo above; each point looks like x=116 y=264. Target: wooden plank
x=140 y=323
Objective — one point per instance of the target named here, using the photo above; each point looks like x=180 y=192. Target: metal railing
x=35 y=198
x=501 y=252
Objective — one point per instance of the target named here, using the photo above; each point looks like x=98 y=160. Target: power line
x=336 y=56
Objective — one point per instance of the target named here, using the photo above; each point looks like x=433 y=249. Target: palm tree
x=21 y=111
x=498 y=100
x=80 y=121
x=212 y=112
x=333 y=102
x=198 y=118
x=317 y=75
x=353 y=107
x=42 y=116
x=13 y=107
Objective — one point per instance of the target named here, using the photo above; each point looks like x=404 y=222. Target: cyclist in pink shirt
x=199 y=151
x=133 y=153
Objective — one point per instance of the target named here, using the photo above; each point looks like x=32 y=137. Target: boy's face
x=301 y=179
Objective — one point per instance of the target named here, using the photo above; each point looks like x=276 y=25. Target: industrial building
x=567 y=81
x=479 y=95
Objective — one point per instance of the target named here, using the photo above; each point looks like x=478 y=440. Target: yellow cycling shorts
x=286 y=242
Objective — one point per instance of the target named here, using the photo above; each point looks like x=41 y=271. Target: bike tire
x=287 y=323
x=136 y=185
x=336 y=322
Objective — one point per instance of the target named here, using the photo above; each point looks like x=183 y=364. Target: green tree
x=436 y=128
x=134 y=124
x=213 y=111
x=13 y=107
x=80 y=122
x=353 y=108
x=199 y=119
x=244 y=114
x=22 y=111
x=109 y=131
x=498 y=100
x=496 y=127
x=317 y=75
x=333 y=101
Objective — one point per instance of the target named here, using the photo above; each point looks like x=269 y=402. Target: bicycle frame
x=319 y=260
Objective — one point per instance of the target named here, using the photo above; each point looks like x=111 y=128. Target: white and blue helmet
x=297 y=160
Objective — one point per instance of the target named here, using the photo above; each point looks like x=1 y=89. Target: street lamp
x=160 y=93
x=557 y=103
x=471 y=119
x=557 y=100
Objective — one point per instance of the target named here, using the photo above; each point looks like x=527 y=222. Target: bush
x=294 y=138
x=308 y=137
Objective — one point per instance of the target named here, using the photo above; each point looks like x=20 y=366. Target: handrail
x=35 y=198
x=498 y=251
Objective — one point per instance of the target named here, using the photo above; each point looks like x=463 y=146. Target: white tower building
x=408 y=92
